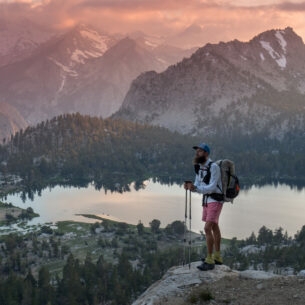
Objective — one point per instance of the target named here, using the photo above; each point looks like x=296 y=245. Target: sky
x=221 y=20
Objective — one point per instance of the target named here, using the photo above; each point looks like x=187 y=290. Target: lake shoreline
x=252 y=209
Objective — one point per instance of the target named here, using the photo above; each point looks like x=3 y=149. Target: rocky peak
x=275 y=47
x=225 y=81
x=123 y=46
x=79 y=45
x=192 y=36
x=130 y=53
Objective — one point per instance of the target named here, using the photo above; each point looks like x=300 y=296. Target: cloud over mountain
x=222 y=20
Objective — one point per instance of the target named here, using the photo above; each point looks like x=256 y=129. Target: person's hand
x=189 y=186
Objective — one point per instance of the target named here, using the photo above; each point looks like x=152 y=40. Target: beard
x=200 y=160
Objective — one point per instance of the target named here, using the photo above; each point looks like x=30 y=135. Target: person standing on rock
x=208 y=183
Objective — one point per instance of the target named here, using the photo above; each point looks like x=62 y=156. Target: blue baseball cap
x=203 y=146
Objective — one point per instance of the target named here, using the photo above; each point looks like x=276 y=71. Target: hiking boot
x=216 y=261
x=205 y=266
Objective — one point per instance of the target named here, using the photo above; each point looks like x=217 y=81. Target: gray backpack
x=229 y=181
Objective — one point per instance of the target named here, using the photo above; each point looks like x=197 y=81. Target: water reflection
x=272 y=206
x=122 y=184
x=115 y=184
x=294 y=184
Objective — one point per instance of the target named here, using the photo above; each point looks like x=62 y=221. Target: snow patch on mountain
x=282 y=62
x=281 y=40
x=99 y=43
x=54 y=101
x=280 y=59
x=98 y=40
x=62 y=85
x=162 y=61
x=78 y=56
x=64 y=68
x=150 y=44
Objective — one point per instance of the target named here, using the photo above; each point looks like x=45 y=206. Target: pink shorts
x=211 y=212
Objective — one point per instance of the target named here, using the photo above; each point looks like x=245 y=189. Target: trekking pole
x=185 y=218
x=190 y=232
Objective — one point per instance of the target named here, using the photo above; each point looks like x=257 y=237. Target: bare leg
x=209 y=263
x=209 y=236
x=217 y=236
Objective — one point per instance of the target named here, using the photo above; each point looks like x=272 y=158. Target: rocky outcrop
x=178 y=281
x=231 y=285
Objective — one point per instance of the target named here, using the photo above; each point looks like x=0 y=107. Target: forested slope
x=80 y=148
x=77 y=150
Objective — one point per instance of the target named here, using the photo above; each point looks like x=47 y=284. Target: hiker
x=208 y=183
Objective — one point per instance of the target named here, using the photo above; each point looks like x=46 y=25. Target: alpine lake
x=273 y=206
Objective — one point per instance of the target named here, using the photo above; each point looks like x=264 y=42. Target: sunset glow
x=221 y=20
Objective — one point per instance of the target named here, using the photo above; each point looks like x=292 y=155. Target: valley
x=85 y=113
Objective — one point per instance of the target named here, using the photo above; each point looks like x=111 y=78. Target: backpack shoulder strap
x=209 y=166
x=219 y=164
x=207 y=177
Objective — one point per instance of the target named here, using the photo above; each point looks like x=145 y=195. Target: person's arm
x=212 y=186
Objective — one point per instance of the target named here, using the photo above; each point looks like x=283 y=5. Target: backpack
x=229 y=181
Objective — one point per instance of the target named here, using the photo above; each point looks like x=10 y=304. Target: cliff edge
x=187 y=285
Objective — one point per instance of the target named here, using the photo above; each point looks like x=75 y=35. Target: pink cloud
x=221 y=20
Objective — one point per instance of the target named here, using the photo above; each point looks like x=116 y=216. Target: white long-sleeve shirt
x=214 y=186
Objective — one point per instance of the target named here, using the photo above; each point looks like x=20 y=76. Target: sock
x=209 y=259
x=217 y=256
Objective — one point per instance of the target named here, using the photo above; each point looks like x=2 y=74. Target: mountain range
x=82 y=70
x=241 y=88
